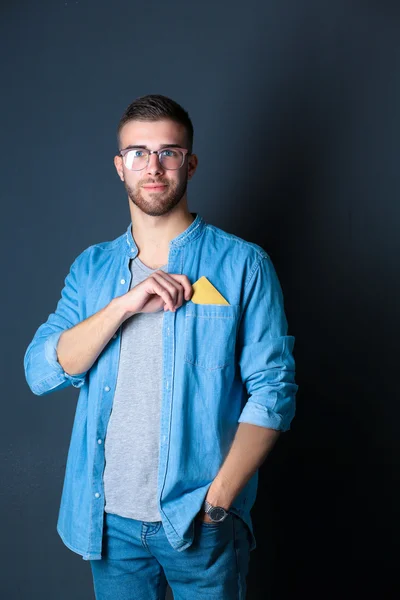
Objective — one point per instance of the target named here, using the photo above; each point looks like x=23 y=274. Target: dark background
x=296 y=110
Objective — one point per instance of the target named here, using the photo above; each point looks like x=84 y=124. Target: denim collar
x=190 y=233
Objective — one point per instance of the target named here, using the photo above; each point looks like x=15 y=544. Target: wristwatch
x=216 y=513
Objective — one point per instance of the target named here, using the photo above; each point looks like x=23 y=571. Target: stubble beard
x=158 y=203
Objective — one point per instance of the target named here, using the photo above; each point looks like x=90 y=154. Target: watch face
x=217 y=514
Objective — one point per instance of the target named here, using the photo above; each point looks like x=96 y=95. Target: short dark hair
x=155 y=107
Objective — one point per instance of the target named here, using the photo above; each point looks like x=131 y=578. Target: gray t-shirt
x=132 y=440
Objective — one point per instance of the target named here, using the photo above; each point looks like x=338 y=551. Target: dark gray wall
x=306 y=96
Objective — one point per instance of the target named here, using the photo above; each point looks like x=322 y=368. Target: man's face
x=153 y=135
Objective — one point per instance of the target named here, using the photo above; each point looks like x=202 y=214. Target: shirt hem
x=85 y=555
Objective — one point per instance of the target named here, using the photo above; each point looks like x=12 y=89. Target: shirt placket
x=103 y=412
x=175 y=265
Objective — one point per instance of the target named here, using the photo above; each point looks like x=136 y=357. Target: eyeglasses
x=136 y=159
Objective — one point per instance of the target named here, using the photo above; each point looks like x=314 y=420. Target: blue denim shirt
x=222 y=365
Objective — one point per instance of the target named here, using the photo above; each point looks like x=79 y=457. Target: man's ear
x=117 y=165
x=192 y=166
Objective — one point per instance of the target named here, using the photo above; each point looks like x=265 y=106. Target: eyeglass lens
x=136 y=159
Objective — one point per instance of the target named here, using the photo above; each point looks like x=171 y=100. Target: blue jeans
x=138 y=561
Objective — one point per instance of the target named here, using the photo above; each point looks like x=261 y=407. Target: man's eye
x=168 y=152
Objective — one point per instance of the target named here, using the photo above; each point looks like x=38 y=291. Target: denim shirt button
x=107 y=389
x=122 y=281
x=99 y=441
x=97 y=495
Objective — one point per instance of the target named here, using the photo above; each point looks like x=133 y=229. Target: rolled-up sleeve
x=43 y=372
x=266 y=359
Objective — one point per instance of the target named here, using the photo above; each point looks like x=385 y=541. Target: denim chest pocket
x=210 y=334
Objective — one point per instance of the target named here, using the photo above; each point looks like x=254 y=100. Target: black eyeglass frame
x=184 y=151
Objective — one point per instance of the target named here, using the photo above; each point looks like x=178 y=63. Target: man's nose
x=154 y=165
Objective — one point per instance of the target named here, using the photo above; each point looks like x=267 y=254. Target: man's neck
x=153 y=252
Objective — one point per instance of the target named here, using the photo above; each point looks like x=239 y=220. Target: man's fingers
x=180 y=282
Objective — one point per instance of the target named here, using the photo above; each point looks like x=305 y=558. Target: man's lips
x=154 y=187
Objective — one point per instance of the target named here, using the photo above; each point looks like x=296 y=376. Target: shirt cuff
x=257 y=414
x=50 y=351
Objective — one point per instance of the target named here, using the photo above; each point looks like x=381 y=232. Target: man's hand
x=159 y=291
x=203 y=516
x=216 y=498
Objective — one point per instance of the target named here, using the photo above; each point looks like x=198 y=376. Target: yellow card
x=205 y=293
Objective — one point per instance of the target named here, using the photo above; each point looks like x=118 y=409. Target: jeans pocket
x=211 y=525
x=242 y=531
x=214 y=525
x=210 y=335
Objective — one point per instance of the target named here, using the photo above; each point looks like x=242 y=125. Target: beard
x=159 y=203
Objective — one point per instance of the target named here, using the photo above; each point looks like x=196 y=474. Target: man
x=176 y=335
